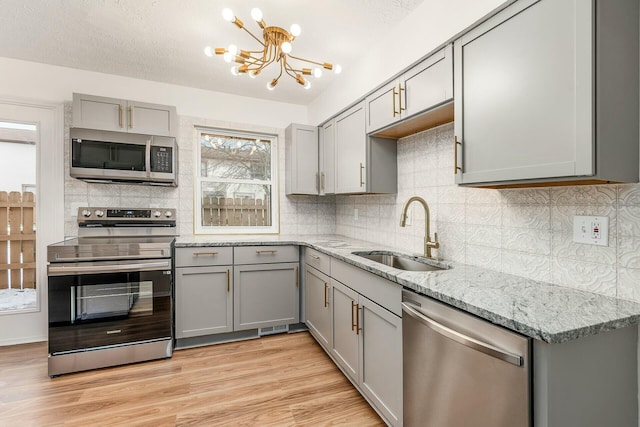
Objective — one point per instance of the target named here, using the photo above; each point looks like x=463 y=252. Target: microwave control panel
x=161 y=159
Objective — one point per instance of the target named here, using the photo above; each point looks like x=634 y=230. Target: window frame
x=274 y=228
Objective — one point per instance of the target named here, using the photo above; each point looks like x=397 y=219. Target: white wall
x=17 y=165
x=22 y=79
x=430 y=25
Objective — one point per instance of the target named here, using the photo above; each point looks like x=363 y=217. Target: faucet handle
x=433 y=244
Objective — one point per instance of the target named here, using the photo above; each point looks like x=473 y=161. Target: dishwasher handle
x=465 y=340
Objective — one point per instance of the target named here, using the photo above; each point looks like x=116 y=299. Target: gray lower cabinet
x=548 y=91
x=318 y=305
x=367 y=345
x=204 y=301
x=265 y=295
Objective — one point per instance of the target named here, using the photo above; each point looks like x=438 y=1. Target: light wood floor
x=281 y=380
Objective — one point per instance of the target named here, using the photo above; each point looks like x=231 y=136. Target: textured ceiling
x=163 y=40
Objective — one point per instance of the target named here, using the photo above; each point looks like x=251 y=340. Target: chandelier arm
x=251 y=34
x=307 y=60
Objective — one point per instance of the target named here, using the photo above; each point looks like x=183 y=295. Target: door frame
x=31 y=325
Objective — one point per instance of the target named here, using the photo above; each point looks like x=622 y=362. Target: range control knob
x=99 y=213
x=168 y=214
x=86 y=213
x=156 y=214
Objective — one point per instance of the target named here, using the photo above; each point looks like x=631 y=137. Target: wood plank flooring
x=280 y=380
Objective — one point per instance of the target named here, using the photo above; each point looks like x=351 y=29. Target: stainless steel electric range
x=110 y=290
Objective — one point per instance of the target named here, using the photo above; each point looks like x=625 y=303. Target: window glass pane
x=234 y=157
x=235 y=204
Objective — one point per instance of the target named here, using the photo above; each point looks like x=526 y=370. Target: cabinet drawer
x=187 y=257
x=318 y=260
x=265 y=254
x=379 y=290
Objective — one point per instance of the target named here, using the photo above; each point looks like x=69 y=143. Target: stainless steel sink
x=408 y=263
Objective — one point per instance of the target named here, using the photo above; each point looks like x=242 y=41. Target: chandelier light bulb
x=208 y=51
x=337 y=69
x=256 y=14
x=307 y=84
x=233 y=49
x=295 y=30
x=234 y=70
x=253 y=74
x=272 y=84
x=286 y=47
x=228 y=57
x=317 y=72
x=227 y=14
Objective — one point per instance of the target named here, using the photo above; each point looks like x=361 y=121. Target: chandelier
x=276 y=48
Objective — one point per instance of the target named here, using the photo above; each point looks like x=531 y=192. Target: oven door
x=98 y=304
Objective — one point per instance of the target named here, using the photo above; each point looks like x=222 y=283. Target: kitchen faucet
x=428 y=244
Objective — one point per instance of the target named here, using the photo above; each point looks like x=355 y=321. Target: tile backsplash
x=298 y=214
x=526 y=232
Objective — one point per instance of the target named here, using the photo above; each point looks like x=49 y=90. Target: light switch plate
x=592 y=230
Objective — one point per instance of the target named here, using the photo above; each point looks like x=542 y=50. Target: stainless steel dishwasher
x=461 y=371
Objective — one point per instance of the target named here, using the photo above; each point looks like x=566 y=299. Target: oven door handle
x=56 y=270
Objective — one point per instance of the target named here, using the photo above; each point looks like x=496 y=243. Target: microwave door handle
x=147 y=158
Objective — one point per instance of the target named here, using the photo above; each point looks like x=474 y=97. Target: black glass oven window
x=107 y=155
x=112 y=300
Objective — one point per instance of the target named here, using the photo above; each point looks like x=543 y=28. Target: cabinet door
x=351 y=150
x=383 y=107
x=301 y=153
x=381 y=365
x=204 y=301
x=345 y=348
x=151 y=119
x=265 y=295
x=328 y=158
x=428 y=84
x=524 y=94
x=97 y=112
x=318 y=305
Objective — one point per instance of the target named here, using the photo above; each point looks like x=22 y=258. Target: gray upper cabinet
x=425 y=86
x=301 y=154
x=327 y=153
x=121 y=115
x=363 y=164
x=547 y=91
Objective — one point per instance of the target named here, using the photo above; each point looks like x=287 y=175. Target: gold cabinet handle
x=322 y=181
x=394 y=93
x=205 y=253
x=130 y=116
x=297 y=278
x=361 y=175
x=317 y=182
x=121 y=115
x=265 y=251
x=400 y=90
x=326 y=286
x=353 y=321
x=228 y=281
x=358 y=328
x=456 y=168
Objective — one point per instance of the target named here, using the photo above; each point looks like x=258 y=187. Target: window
x=235 y=183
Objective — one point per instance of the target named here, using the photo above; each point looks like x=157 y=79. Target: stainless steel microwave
x=104 y=156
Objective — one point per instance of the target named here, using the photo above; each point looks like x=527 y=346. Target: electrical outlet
x=592 y=230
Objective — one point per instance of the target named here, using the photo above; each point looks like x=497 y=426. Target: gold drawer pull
x=314 y=256
x=205 y=253
x=265 y=251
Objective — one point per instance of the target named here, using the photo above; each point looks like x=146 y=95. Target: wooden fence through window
x=235 y=212
x=17 y=240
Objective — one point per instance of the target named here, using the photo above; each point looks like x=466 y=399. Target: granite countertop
x=540 y=310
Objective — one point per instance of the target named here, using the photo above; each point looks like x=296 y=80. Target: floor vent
x=273 y=330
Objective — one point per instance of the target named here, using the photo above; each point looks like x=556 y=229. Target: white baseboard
x=22 y=340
